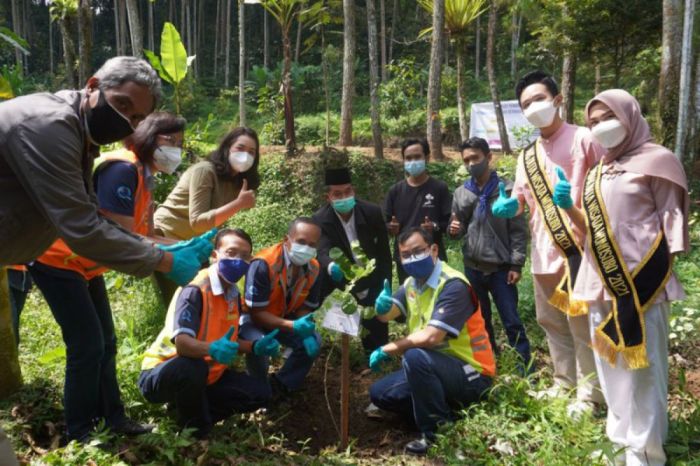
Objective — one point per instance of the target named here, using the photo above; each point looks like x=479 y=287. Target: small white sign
x=339 y=321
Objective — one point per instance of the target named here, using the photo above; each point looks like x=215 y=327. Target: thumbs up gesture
x=393 y=226
x=246 y=197
x=384 y=302
x=504 y=207
x=562 y=191
x=455 y=225
x=267 y=345
x=224 y=350
x=427 y=224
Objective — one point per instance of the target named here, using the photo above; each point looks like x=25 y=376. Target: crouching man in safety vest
x=187 y=366
x=447 y=358
x=282 y=291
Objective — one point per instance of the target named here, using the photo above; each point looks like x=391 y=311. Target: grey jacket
x=46 y=188
x=492 y=243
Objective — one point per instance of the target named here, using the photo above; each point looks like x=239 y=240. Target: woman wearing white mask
x=635 y=203
x=210 y=192
x=74 y=287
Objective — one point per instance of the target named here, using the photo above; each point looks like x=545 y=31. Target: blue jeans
x=183 y=382
x=506 y=298
x=82 y=310
x=429 y=388
x=20 y=286
x=295 y=368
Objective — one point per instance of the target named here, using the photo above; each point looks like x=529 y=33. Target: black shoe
x=418 y=446
x=130 y=427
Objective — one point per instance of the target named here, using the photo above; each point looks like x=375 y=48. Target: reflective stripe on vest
x=279 y=305
x=59 y=255
x=216 y=319
x=472 y=344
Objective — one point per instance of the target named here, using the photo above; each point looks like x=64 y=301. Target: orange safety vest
x=19 y=268
x=278 y=303
x=59 y=255
x=217 y=318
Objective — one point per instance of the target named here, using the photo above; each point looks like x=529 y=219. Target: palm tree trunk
x=289 y=134
x=394 y=18
x=132 y=9
x=51 y=66
x=10 y=371
x=515 y=40
x=684 y=109
x=461 y=91
x=266 y=40
x=117 y=31
x=17 y=29
x=84 y=40
x=297 y=48
x=123 y=31
x=669 y=77
x=382 y=38
x=434 y=79
x=477 y=49
x=374 y=79
x=68 y=51
x=568 y=84
x=241 y=63
x=151 y=27
x=227 y=67
x=348 y=72
x=493 y=83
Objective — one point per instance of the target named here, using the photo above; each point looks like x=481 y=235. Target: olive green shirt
x=190 y=208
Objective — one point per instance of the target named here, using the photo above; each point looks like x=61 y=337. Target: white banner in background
x=483 y=123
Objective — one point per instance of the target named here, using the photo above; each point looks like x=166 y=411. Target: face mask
x=301 y=254
x=414 y=167
x=477 y=170
x=420 y=266
x=241 y=161
x=541 y=114
x=167 y=159
x=232 y=270
x=104 y=124
x=609 y=133
x=343 y=206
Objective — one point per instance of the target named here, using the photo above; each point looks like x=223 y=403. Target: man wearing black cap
x=343 y=220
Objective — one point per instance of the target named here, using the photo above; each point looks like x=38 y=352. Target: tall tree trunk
x=67 y=29
x=241 y=63
x=477 y=49
x=374 y=79
x=217 y=39
x=326 y=86
x=51 y=66
x=84 y=41
x=117 y=30
x=266 y=39
x=461 y=91
x=227 y=66
x=516 y=24
x=434 y=78
x=394 y=18
x=382 y=38
x=568 y=84
x=297 y=48
x=695 y=127
x=171 y=12
x=348 y=72
x=289 y=134
x=201 y=34
x=123 y=31
x=491 y=71
x=151 y=27
x=10 y=372
x=684 y=113
x=598 y=80
x=670 y=71
x=17 y=29
x=132 y=9
x=182 y=24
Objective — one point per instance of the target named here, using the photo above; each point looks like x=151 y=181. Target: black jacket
x=374 y=241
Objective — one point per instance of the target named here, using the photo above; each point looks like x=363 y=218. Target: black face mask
x=479 y=169
x=105 y=125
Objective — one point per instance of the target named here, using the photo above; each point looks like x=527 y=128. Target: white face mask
x=301 y=254
x=609 y=133
x=541 y=114
x=167 y=159
x=241 y=161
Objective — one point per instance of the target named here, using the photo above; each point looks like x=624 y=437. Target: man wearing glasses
x=188 y=366
x=447 y=361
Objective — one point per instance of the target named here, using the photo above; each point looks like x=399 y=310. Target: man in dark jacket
x=494 y=248
x=343 y=220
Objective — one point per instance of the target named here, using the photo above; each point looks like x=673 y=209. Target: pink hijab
x=637 y=153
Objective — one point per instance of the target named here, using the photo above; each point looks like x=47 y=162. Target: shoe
x=418 y=446
x=374 y=412
x=555 y=391
x=130 y=427
x=579 y=408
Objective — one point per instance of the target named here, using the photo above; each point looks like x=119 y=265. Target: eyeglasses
x=415 y=252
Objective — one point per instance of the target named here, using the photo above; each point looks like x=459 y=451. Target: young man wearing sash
x=635 y=204
x=556 y=250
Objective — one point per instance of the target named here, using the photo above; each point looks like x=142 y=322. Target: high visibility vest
x=216 y=319
x=472 y=344
x=59 y=255
x=282 y=303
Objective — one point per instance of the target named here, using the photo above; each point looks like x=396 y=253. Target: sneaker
x=130 y=427
x=418 y=446
x=374 y=412
x=579 y=408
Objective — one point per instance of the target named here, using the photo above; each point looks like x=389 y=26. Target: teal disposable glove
x=336 y=274
x=376 y=359
x=311 y=346
x=224 y=350
x=186 y=264
x=267 y=345
x=304 y=326
x=202 y=244
x=384 y=302
x=562 y=191
x=504 y=207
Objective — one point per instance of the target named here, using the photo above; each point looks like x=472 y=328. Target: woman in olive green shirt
x=211 y=192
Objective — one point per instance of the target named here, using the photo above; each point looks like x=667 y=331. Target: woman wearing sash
x=635 y=206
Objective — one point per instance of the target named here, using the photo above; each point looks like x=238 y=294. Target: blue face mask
x=343 y=206
x=232 y=270
x=419 y=267
x=414 y=167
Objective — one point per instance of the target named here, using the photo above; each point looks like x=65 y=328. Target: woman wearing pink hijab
x=635 y=214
